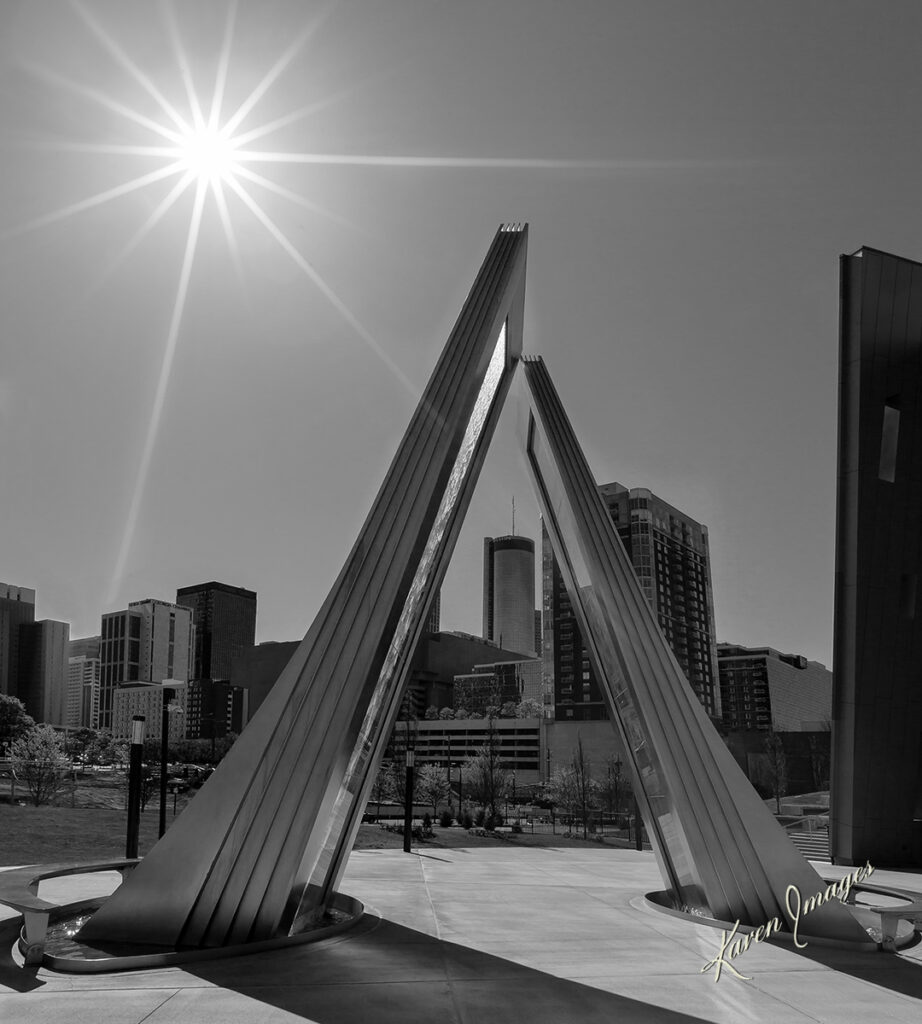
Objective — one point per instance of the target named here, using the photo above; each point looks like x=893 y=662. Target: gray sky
x=713 y=160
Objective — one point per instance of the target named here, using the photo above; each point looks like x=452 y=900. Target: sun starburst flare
x=209 y=152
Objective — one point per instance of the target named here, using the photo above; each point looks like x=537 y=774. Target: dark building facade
x=876 y=794
x=763 y=689
x=256 y=669
x=225 y=624
x=671 y=557
x=43 y=670
x=214 y=708
x=17 y=608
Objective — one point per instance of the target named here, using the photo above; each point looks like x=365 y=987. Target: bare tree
x=432 y=786
x=486 y=776
x=775 y=768
x=818 y=744
x=38 y=760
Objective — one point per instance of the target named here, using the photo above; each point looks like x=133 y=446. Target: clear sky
x=690 y=171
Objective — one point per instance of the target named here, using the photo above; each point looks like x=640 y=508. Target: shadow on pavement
x=12 y=976
x=390 y=974
x=894 y=971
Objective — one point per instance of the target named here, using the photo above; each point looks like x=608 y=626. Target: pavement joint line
x=159 y=1006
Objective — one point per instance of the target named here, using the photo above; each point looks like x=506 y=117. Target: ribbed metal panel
x=234 y=866
x=719 y=849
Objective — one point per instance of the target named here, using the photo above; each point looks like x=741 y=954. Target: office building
x=876 y=782
x=760 y=688
x=670 y=556
x=43 y=670
x=519 y=743
x=214 y=708
x=83 y=670
x=82 y=692
x=255 y=669
x=498 y=683
x=17 y=607
x=509 y=593
x=149 y=641
x=434 y=619
x=145 y=698
x=225 y=624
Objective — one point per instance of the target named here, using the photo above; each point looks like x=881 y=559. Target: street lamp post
x=408 y=801
x=135 y=755
x=169 y=692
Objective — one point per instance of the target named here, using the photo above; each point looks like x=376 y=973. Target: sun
x=208 y=155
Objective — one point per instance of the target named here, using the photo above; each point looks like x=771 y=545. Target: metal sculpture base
x=870 y=918
x=64 y=950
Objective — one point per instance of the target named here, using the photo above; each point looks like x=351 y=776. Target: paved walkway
x=543 y=936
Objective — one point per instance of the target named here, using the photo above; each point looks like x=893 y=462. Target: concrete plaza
x=471 y=936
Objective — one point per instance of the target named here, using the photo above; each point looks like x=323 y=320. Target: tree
x=432 y=785
x=461 y=713
x=38 y=760
x=574 y=788
x=774 y=771
x=104 y=749
x=529 y=708
x=818 y=744
x=432 y=713
x=613 y=787
x=485 y=778
x=384 y=787
x=447 y=713
x=14 y=722
x=81 y=739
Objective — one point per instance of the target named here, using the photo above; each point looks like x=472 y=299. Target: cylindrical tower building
x=509 y=593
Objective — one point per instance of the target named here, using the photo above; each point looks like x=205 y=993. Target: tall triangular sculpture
x=260 y=851
x=719 y=849
x=262 y=847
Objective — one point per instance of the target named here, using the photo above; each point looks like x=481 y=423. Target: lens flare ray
x=320 y=283
x=213 y=149
x=163 y=380
x=124 y=61
x=96 y=200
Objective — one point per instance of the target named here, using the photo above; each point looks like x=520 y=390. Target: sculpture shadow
x=894 y=971
x=391 y=974
x=12 y=976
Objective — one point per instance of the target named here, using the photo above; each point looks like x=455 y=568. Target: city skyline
x=682 y=283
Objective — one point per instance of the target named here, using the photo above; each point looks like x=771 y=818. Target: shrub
x=466 y=820
x=489 y=823
x=479 y=817
x=427 y=822
x=446 y=819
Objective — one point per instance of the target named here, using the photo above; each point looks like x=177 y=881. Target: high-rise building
x=43 y=670
x=876 y=782
x=145 y=698
x=434 y=619
x=509 y=593
x=670 y=555
x=149 y=641
x=214 y=708
x=82 y=693
x=760 y=688
x=225 y=624
x=83 y=670
x=17 y=606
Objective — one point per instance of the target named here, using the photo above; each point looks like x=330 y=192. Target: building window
x=889 y=439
